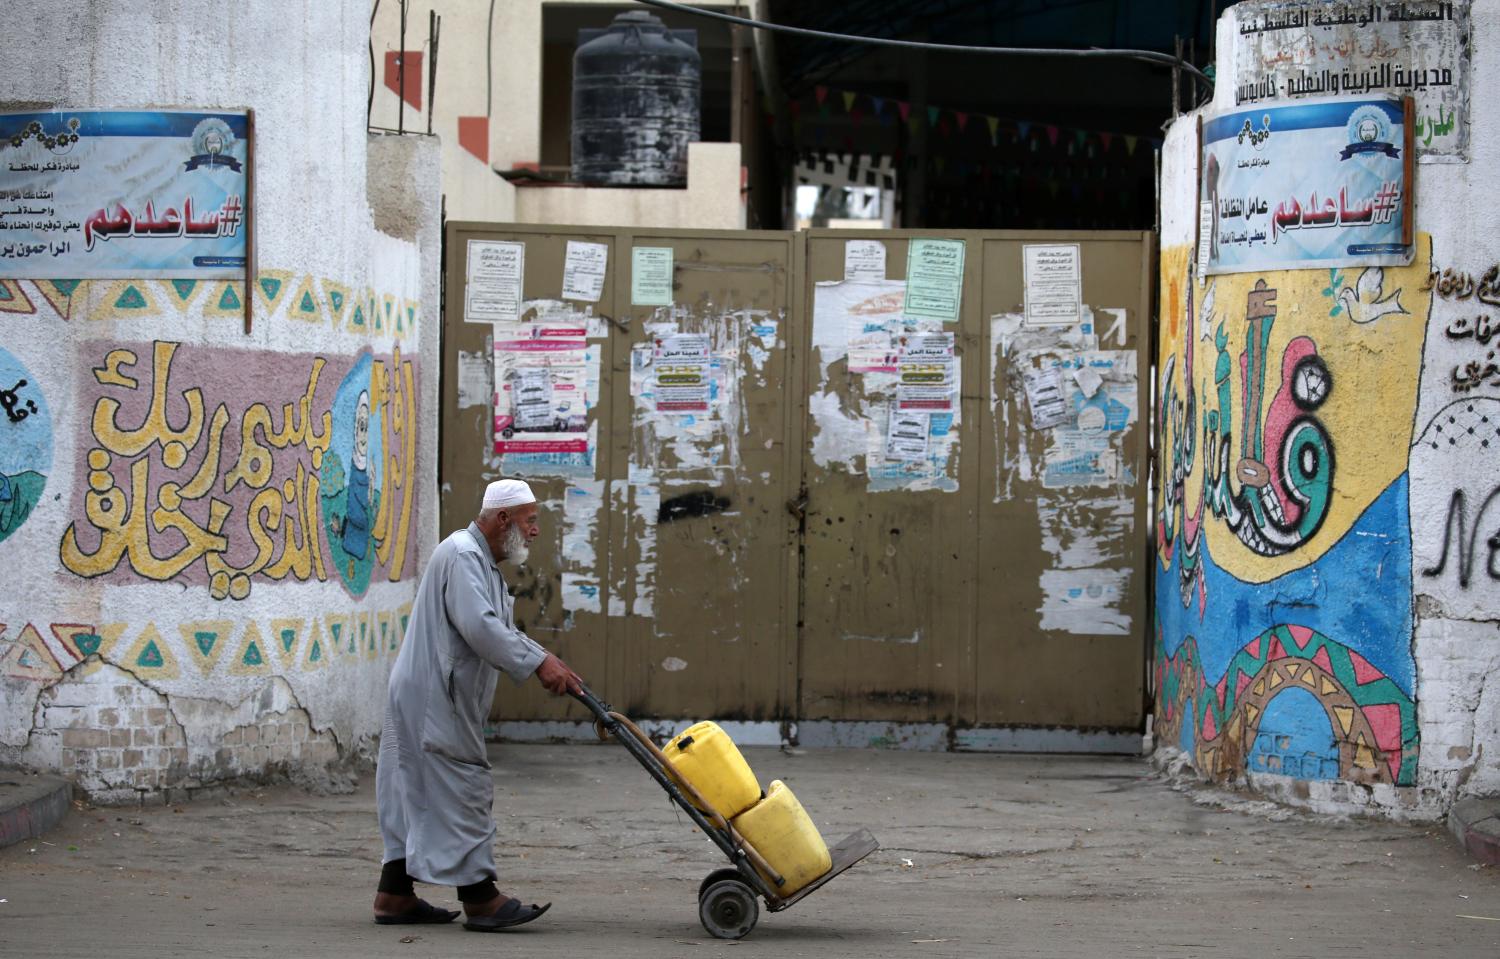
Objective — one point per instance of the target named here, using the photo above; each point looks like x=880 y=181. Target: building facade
x=214 y=520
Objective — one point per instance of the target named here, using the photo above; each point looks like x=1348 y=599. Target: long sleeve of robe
x=432 y=781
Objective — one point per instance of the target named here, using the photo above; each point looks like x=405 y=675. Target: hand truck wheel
x=728 y=909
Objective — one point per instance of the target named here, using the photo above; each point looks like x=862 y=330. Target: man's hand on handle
x=557 y=677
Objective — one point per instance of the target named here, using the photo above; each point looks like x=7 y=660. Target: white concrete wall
x=140 y=684
x=712 y=200
x=1455 y=614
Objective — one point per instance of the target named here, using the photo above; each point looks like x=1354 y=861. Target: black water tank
x=636 y=88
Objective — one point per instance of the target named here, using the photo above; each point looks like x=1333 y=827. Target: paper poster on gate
x=544 y=389
x=553 y=320
x=584 y=267
x=680 y=364
x=494 y=273
x=906 y=436
x=1045 y=397
x=864 y=260
x=934 y=278
x=1052 y=279
x=925 y=373
x=1085 y=448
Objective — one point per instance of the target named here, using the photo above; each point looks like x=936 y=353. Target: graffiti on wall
x=1282 y=529
x=188 y=481
x=25 y=443
x=1456 y=539
x=1456 y=529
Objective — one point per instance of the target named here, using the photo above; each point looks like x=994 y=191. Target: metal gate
x=730 y=530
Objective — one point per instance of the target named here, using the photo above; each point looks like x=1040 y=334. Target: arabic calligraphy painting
x=1318 y=184
x=187 y=481
x=123 y=194
x=1289 y=50
x=1282 y=526
x=25 y=443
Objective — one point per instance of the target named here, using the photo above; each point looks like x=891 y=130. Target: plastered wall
x=1345 y=658
x=189 y=597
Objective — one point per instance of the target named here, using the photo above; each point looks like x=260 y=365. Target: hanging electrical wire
x=1148 y=56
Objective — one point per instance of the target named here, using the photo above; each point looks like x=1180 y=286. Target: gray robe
x=432 y=781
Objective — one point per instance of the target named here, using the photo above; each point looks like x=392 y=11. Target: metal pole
x=1176 y=76
x=434 y=27
x=249 y=220
x=401 y=74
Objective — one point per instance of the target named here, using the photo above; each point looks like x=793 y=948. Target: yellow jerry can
x=781 y=831
x=705 y=756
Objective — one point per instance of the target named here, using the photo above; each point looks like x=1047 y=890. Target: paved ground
x=984 y=856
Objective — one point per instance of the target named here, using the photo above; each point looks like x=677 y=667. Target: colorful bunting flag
x=849 y=96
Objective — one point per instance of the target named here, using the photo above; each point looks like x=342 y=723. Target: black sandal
x=510 y=914
x=423 y=913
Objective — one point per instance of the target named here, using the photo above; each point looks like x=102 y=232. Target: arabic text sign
x=122 y=193
x=1319 y=184
x=1307 y=48
x=934 y=278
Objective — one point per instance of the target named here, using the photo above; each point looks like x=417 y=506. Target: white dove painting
x=1366 y=301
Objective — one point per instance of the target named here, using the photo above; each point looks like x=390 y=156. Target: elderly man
x=432 y=784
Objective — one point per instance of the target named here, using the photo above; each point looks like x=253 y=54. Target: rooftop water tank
x=636 y=91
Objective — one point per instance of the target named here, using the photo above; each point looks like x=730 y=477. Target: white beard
x=514 y=547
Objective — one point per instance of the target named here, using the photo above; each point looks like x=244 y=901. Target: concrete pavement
x=983 y=855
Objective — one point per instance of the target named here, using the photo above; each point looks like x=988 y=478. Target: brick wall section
x=120 y=742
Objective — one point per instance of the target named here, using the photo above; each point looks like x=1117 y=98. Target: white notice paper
x=1205 y=237
x=1044 y=394
x=493 y=276
x=583 y=271
x=864 y=260
x=1088 y=380
x=906 y=439
x=1054 y=284
x=531 y=397
x=476 y=387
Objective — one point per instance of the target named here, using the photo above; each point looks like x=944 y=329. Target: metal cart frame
x=727 y=904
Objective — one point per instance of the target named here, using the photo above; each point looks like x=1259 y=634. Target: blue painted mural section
x=1357 y=594
x=1295 y=738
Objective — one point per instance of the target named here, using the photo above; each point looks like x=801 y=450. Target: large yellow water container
x=781 y=831
x=705 y=756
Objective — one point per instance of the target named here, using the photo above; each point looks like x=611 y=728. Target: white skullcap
x=503 y=494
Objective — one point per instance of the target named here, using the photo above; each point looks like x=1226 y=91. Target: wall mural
x=25 y=443
x=1283 y=639
x=188 y=481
